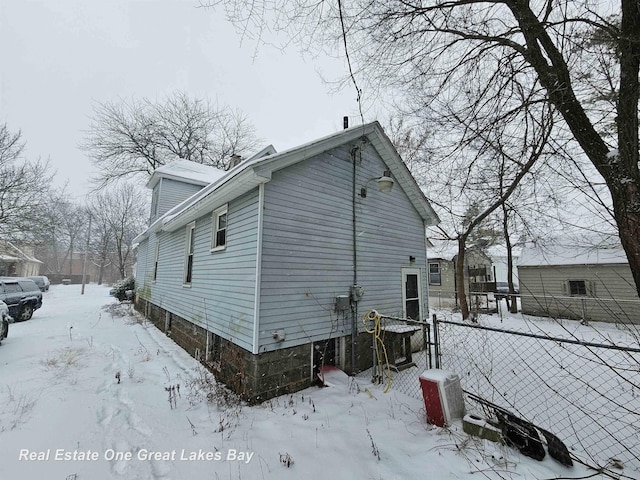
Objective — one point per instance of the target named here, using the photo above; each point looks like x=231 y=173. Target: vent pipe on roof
x=235 y=160
x=345 y=122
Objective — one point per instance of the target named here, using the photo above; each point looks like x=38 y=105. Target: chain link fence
x=478 y=302
x=586 y=393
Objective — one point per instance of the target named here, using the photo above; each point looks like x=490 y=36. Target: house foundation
x=255 y=377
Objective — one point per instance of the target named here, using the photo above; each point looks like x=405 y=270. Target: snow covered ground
x=585 y=394
x=64 y=415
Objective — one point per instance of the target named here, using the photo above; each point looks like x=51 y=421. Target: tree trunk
x=625 y=188
x=512 y=300
x=103 y=262
x=620 y=172
x=71 y=259
x=628 y=221
x=460 y=291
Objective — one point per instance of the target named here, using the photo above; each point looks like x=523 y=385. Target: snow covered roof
x=14 y=254
x=499 y=252
x=442 y=249
x=448 y=249
x=258 y=169
x=186 y=171
x=534 y=256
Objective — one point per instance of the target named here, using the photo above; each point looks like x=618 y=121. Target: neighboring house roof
x=258 y=169
x=558 y=255
x=442 y=250
x=14 y=254
x=499 y=252
x=186 y=171
x=448 y=250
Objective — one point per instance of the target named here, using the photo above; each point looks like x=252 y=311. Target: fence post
x=436 y=339
x=426 y=344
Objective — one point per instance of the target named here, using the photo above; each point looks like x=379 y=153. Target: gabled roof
x=442 y=250
x=186 y=171
x=448 y=250
x=563 y=255
x=14 y=254
x=258 y=169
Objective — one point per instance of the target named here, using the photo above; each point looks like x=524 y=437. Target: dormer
x=175 y=182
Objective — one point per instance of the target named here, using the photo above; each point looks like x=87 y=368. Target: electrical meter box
x=443 y=398
x=357 y=292
x=343 y=303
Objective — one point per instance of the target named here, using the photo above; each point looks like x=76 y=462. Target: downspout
x=256 y=295
x=425 y=318
x=354 y=303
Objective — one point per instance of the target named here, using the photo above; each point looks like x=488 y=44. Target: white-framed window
x=219 y=229
x=434 y=274
x=190 y=242
x=577 y=287
x=154 y=201
x=155 y=261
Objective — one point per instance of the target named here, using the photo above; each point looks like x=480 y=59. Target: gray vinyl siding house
x=176 y=182
x=259 y=307
x=582 y=283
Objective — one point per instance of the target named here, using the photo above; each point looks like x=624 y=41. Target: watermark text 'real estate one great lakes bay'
x=143 y=454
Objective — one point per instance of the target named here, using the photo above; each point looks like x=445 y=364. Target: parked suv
x=42 y=281
x=21 y=295
x=502 y=290
x=5 y=320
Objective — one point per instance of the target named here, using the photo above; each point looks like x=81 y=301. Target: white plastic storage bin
x=443 y=398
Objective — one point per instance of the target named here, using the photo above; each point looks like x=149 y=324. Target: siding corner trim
x=256 y=308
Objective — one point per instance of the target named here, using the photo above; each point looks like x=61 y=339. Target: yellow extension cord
x=376 y=331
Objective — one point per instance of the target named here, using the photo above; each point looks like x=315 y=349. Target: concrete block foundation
x=255 y=377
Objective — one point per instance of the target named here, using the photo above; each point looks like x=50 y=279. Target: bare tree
x=470 y=172
x=49 y=240
x=457 y=58
x=72 y=220
x=23 y=188
x=125 y=215
x=101 y=241
x=136 y=137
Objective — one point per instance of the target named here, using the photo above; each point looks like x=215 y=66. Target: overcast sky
x=60 y=57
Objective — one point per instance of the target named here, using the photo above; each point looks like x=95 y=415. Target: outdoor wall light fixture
x=385 y=183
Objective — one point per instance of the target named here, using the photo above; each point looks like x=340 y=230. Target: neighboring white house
x=498 y=256
x=580 y=282
x=259 y=270
x=17 y=261
x=443 y=255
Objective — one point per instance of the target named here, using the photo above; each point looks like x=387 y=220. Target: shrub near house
x=123 y=289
